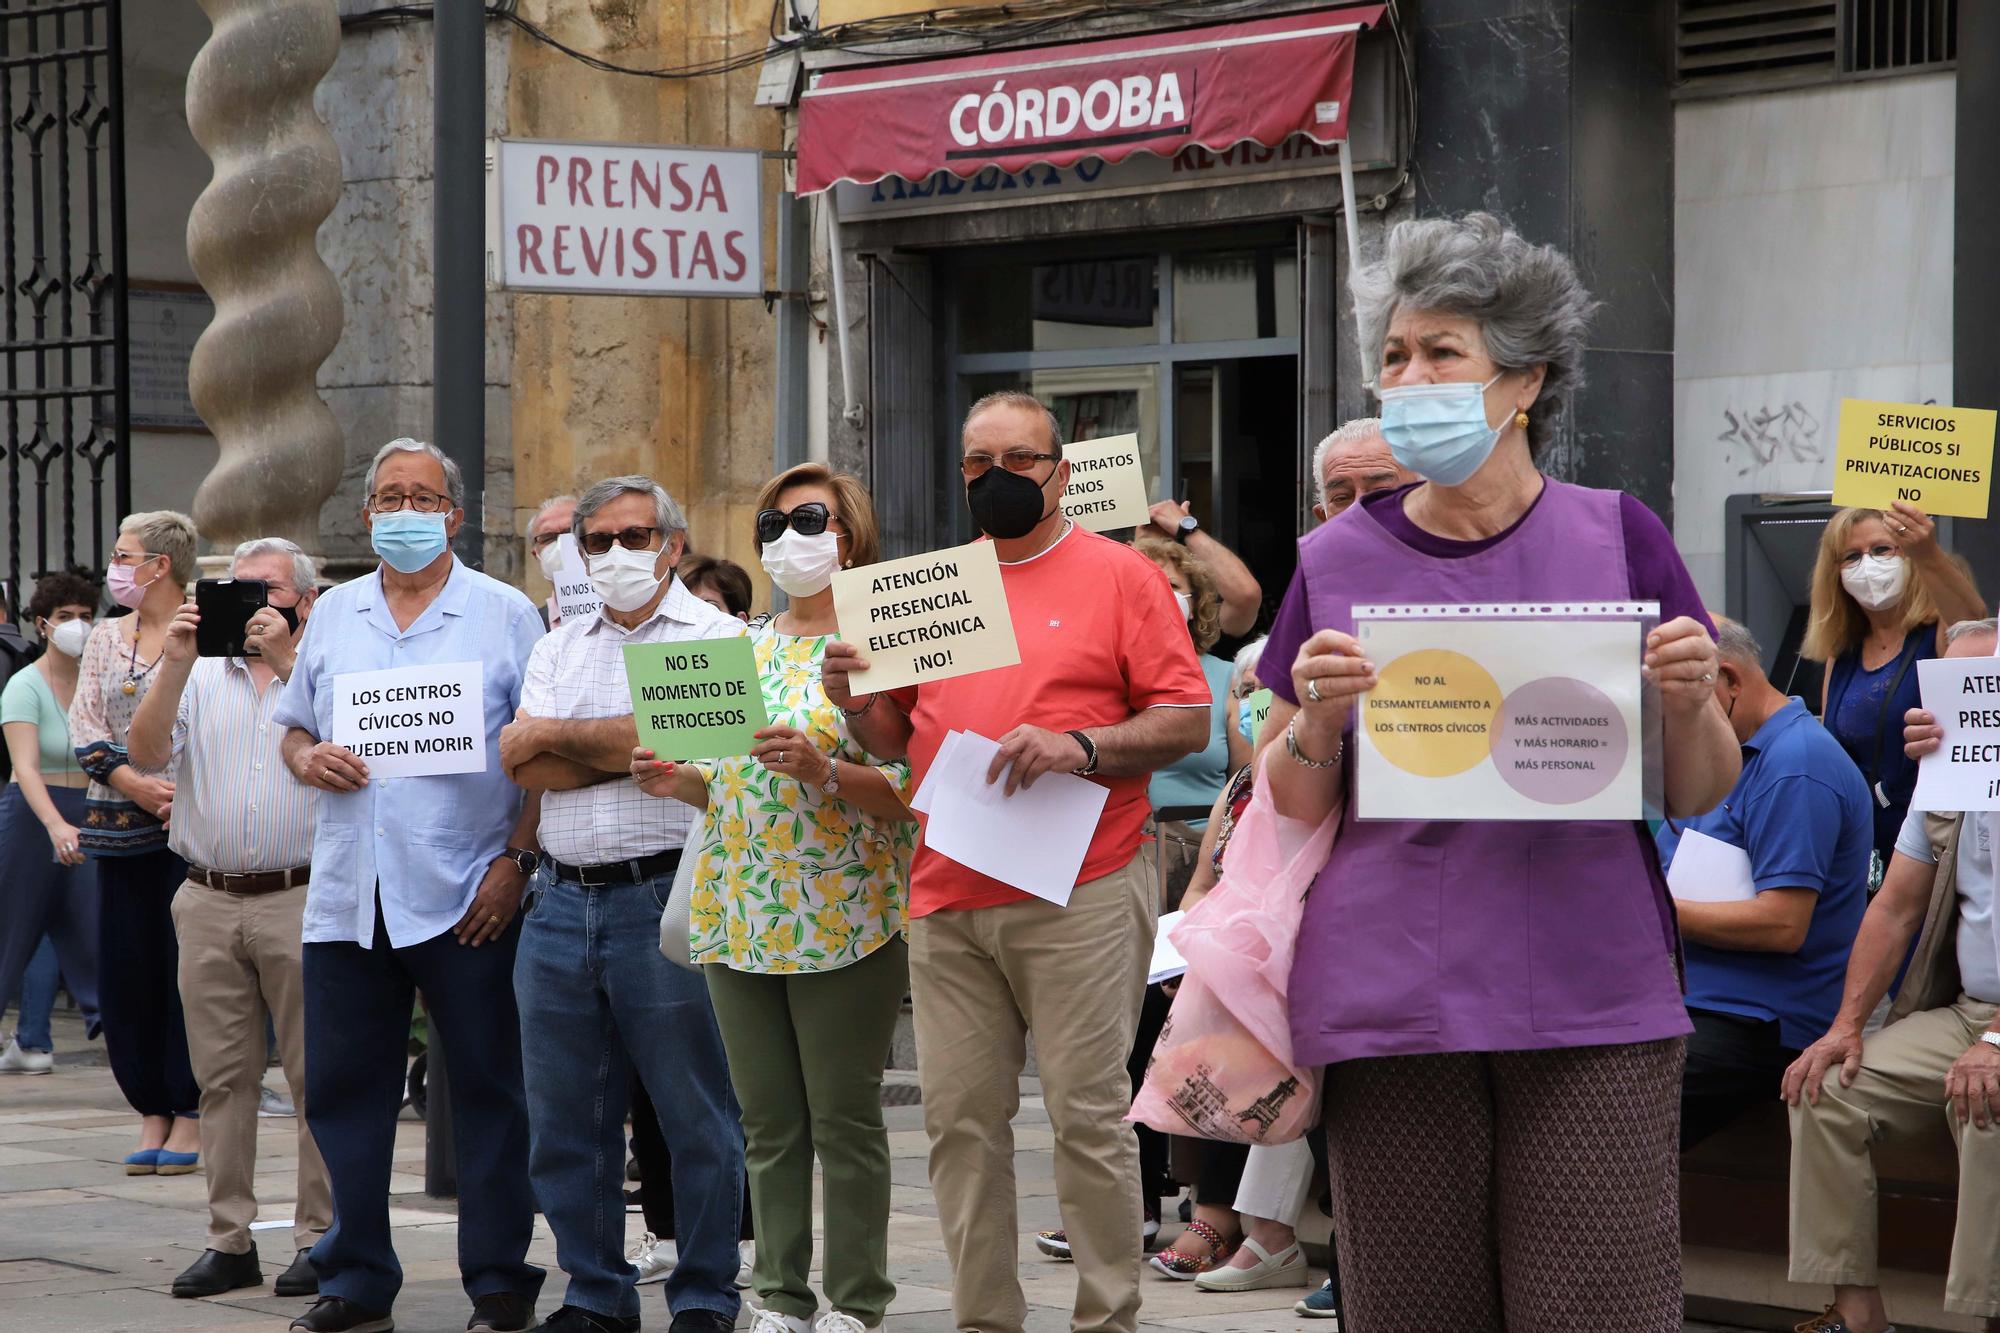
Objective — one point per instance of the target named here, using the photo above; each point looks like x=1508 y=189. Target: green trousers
x=806 y=1053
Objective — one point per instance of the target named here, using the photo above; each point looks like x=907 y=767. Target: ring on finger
x=1312 y=690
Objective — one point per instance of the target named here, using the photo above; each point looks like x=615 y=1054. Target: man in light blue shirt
x=416 y=884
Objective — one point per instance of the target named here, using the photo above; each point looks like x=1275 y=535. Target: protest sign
x=695 y=699
x=1257 y=707
x=1939 y=459
x=413 y=722
x=575 y=598
x=1107 y=487
x=1467 y=720
x=926 y=617
x=1963 y=694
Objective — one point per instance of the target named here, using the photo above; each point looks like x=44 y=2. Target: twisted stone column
x=250 y=239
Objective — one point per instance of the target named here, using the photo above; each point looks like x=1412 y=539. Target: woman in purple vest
x=1497 y=1003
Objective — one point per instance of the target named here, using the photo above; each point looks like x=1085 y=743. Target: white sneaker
x=770 y=1321
x=651 y=1259
x=833 y=1321
x=274 y=1105
x=14 y=1060
x=746 y=1251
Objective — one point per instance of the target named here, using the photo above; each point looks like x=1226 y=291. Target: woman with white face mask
x=797 y=911
x=1883 y=594
x=51 y=888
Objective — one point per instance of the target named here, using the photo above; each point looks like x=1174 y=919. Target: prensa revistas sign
x=633 y=219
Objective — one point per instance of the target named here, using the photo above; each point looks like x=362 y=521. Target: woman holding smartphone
x=51 y=889
x=124 y=831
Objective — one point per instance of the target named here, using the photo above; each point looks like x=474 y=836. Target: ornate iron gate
x=64 y=377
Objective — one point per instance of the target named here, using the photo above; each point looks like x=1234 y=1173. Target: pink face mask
x=124 y=588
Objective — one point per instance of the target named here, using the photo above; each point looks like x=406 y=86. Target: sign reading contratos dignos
x=632 y=219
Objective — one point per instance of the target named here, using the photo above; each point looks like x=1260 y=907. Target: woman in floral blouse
x=798 y=909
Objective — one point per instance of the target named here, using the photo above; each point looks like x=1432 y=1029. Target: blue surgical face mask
x=1439 y=431
x=407 y=540
x=1243 y=723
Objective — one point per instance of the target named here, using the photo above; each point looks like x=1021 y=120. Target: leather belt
x=635 y=871
x=255 y=881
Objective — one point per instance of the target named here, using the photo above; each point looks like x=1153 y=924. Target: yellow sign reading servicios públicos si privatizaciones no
x=1939 y=459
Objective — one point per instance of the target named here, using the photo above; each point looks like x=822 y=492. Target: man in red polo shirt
x=1108 y=687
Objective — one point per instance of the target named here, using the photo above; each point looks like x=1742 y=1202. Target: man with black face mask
x=244 y=825
x=1764 y=973
x=1108 y=688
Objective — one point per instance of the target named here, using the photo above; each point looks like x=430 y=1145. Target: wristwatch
x=1188 y=524
x=1089 y=765
x=526 y=861
x=1990 y=1038
x=831 y=787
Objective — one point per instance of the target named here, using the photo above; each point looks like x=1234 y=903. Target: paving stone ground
x=87 y=1249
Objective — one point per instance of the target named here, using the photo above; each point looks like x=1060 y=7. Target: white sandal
x=1286 y=1268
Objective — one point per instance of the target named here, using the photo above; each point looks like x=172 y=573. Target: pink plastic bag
x=1222 y=1068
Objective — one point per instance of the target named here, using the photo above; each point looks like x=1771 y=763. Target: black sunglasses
x=808 y=520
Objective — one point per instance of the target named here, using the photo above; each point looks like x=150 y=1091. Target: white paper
x=413 y=722
x=1709 y=870
x=1034 y=840
x=921 y=802
x=1167 y=960
x=575 y=598
x=1963 y=773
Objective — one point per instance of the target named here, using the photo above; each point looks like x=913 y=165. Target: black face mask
x=291 y=615
x=1005 y=504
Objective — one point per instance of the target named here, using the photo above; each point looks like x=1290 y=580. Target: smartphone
x=226 y=606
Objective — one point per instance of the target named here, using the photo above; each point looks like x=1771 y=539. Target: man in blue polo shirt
x=1764 y=972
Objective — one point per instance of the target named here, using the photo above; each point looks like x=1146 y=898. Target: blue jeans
x=38 y=999
x=44 y=902
x=598 y=1001
x=357 y=1039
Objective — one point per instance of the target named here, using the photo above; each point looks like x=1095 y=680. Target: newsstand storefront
x=1144 y=230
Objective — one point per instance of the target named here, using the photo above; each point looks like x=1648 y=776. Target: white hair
x=1354 y=432
x=668 y=514
x=1966 y=628
x=548 y=504
x=454 y=479
x=304 y=575
x=1247 y=658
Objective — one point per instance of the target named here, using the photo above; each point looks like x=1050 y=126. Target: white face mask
x=1186 y=605
x=800 y=565
x=1877 y=581
x=625 y=579
x=69 y=637
x=550 y=558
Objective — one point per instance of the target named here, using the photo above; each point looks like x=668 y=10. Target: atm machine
x=1769 y=542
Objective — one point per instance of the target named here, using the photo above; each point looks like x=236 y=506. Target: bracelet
x=1292 y=748
x=857 y=712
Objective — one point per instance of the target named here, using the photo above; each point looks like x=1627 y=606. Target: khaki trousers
x=240 y=959
x=1898 y=1094
x=980 y=981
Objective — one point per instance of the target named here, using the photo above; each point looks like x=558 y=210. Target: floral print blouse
x=789 y=879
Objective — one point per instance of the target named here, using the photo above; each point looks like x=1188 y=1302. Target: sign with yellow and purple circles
x=1502 y=712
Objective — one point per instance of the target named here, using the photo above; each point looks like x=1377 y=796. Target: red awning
x=1260 y=81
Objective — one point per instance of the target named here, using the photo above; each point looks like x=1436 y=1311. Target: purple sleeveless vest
x=1421 y=938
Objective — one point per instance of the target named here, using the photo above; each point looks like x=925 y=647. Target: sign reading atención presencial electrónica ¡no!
x=636 y=219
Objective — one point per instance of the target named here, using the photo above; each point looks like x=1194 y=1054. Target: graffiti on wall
x=1759 y=437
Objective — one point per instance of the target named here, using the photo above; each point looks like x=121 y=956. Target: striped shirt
x=578 y=671
x=237 y=808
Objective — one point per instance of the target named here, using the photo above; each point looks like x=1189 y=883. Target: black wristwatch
x=1188 y=524
x=528 y=862
x=1089 y=765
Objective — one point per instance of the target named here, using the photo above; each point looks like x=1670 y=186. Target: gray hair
x=1734 y=641
x=454 y=479
x=1969 y=627
x=1531 y=308
x=166 y=532
x=548 y=504
x=1247 y=658
x=304 y=574
x=667 y=514
x=1026 y=402
x=1354 y=432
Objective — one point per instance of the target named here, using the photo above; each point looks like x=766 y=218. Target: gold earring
x=1521 y=420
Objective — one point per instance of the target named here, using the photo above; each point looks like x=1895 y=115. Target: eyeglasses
x=542 y=541
x=424 y=502
x=1014 y=460
x=1880 y=550
x=632 y=539
x=133 y=557
x=808 y=520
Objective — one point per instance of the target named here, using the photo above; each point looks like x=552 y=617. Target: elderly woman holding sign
x=797 y=908
x=1883 y=591
x=1496 y=1002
